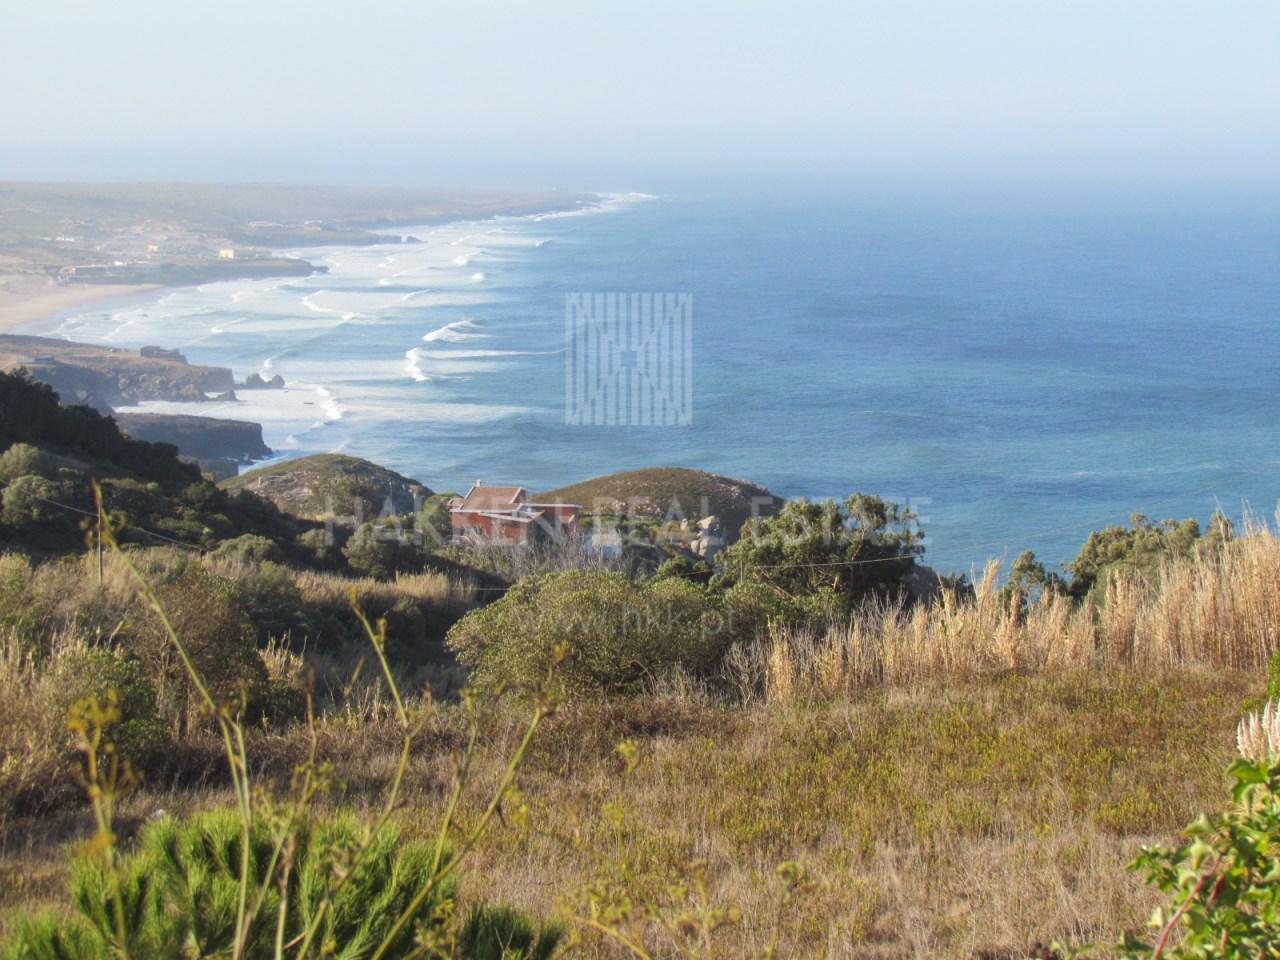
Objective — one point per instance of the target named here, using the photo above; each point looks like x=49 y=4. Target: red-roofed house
x=499 y=514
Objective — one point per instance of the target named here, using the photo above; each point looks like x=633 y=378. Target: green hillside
x=675 y=492
x=51 y=454
x=330 y=483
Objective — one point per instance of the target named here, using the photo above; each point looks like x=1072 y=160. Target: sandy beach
x=25 y=299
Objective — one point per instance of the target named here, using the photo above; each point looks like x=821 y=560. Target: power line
x=150 y=533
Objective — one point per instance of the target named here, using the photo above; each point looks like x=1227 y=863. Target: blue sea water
x=1019 y=372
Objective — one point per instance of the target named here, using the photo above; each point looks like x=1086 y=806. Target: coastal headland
x=64 y=246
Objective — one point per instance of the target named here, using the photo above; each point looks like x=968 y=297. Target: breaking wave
x=457 y=332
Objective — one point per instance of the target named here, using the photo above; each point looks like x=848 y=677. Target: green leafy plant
x=500 y=933
x=182 y=887
x=1224 y=882
x=104 y=673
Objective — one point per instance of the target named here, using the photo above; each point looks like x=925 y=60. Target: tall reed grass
x=1219 y=609
x=446 y=592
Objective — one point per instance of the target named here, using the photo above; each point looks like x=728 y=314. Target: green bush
x=180 y=892
x=1139 y=548
x=272 y=600
x=434 y=521
x=48 y=935
x=616 y=632
x=20 y=611
x=500 y=933
x=22 y=459
x=207 y=612
x=250 y=548
x=141 y=731
x=750 y=606
x=316 y=548
x=182 y=887
x=26 y=504
x=1224 y=882
x=861 y=549
x=681 y=566
x=133 y=501
x=377 y=551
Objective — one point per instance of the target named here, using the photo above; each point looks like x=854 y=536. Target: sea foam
x=460 y=331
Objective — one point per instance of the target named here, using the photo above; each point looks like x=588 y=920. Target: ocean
x=1017 y=371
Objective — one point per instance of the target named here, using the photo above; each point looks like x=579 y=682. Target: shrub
x=22 y=459
x=250 y=548
x=1028 y=580
x=141 y=731
x=1273 y=677
x=379 y=552
x=20 y=611
x=681 y=566
x=26 y=504
x=615 y=632
x=205 y=610
x=271 y=598
x=434 y=521
x=1140 y=548
x=132 y=500
x=48 y=935
x=751 y=607
x=316 y=547
x=860 y=549
x=182 y=887
x=1223 y=882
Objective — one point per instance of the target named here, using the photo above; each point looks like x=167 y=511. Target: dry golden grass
x=963 y=781
x=1221 y=610
x=33 y=746
x=941 y=820
x=333 y=590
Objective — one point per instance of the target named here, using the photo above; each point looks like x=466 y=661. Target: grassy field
x=967 y=780
x=946 y=819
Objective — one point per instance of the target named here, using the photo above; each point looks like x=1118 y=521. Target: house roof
x=507 y=503
x=511 y=517
x=482 y=497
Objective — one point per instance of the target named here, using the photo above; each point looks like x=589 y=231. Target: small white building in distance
x=226 y=253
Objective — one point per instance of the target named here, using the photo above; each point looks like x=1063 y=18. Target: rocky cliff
x=218 y=446
x=104 y=377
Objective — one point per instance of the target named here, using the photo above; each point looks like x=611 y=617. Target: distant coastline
x=30 y=307
x=146 y=237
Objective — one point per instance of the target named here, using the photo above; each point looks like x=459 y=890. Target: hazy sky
x=631 y=95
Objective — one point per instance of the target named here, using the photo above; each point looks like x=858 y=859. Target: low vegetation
x=301 y=740
x=670 y=493
x=329 y=484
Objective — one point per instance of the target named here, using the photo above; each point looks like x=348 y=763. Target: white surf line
x=306 y=302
